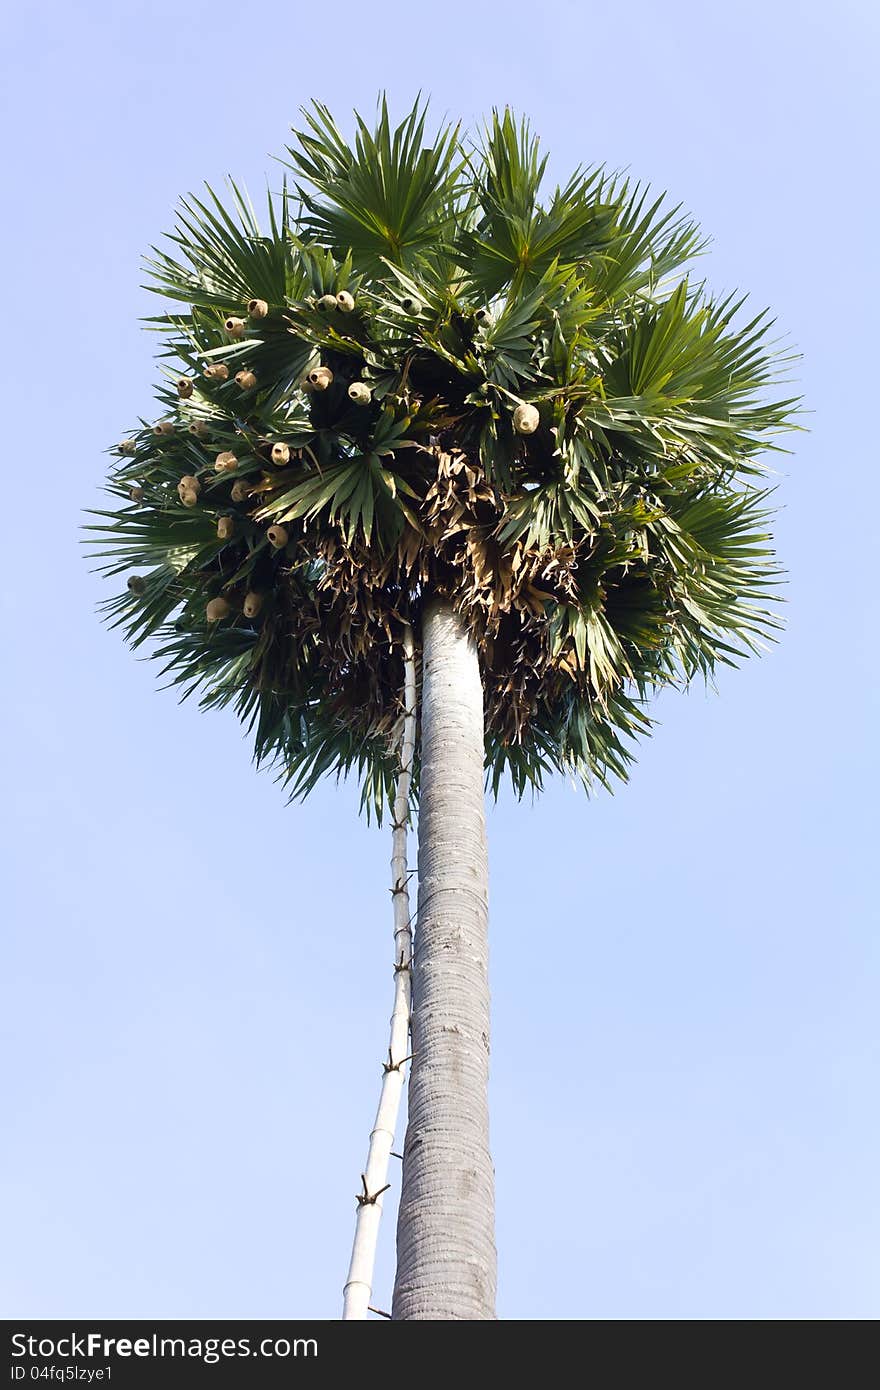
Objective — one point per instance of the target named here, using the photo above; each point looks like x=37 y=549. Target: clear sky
x=196 y=977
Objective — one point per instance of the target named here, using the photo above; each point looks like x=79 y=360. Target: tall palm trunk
x=445 y=1231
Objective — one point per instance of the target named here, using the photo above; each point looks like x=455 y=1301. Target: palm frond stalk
x=431 y=385
x=374 y=1180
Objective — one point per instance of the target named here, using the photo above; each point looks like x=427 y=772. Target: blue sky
x=195 y=976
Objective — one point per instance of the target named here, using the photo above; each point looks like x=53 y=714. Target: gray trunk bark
x=446 y=1263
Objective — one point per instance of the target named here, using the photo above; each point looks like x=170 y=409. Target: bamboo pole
x=374 y=1179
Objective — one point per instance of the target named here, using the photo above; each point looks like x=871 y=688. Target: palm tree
x=429 y=398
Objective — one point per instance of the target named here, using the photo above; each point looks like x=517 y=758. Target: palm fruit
x=217 y=371
x=163 y=427
x=277 y=537
x=189 y=498
x=216 y=609
x=225 y=528
x=360 y=393
x=241 y=490
x=184 y=388
x=234 y=327
x=199 y=429
x=411 y=305
x=136 y=494
x=526 y=419
x=253 y=602
x=344 y=302
x=189 y=483
x=326 y=304
x=320 y=378
x=127 y=446
x=224 y=462
x=280 y=453
x=246 y=379
x=258 y=308
x=136 y=584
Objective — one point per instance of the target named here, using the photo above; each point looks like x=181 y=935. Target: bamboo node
x=401 y=885
x=367 y=1198
x=395 y=1066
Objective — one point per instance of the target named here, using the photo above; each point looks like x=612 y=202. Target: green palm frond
x=390 y=197
x=514 y=238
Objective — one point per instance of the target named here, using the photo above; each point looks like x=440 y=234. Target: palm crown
x=424 y=376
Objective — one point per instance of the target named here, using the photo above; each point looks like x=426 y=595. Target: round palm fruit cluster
x=317 y=379
x=195 y=490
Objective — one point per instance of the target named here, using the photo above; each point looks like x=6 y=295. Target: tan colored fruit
x=235 y=327
x=127 y=446
x=217 y=371
x=136 y=584
x=360 y=393
x=241 y=490
x=344 y=302
x=136 y=494
x=189 y=483
x=246 y=380
x=326 y=304
x=184 y=388
x=163 y=427
x=189 y=498
x=280 y=453
x=526 y=419
x=225 y=462
x=258 y=308
x=199 y=429
x=225 y=528
x=216 y=609
x=320 y=378
x=277 y=537
x=253 y=602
